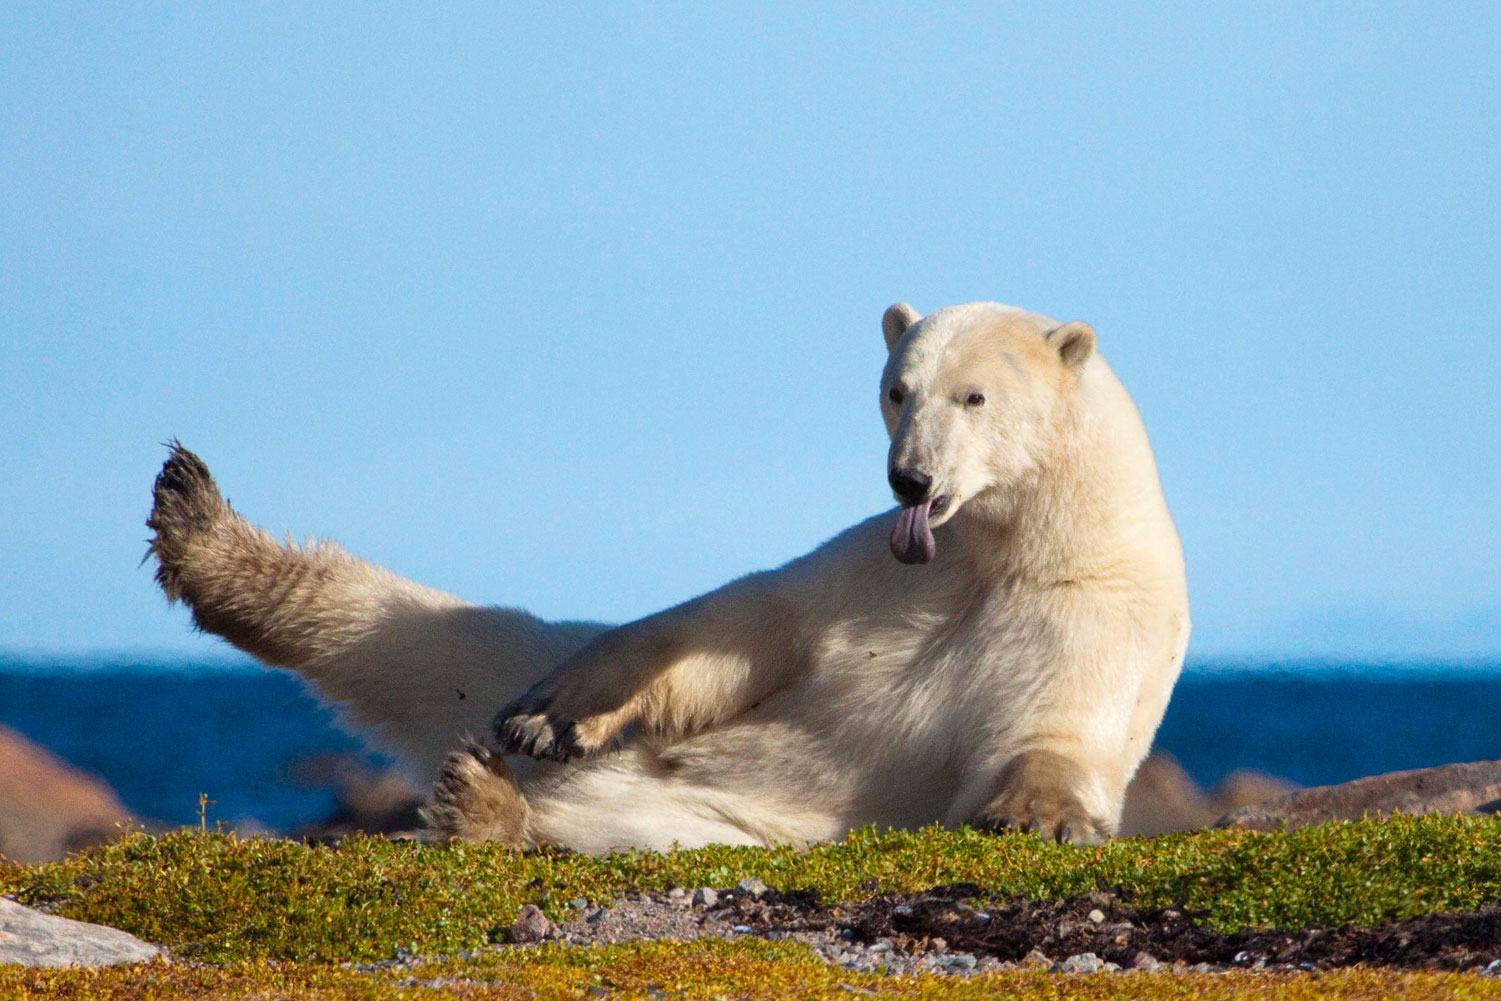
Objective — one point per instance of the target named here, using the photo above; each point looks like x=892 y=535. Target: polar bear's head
x=971 y=397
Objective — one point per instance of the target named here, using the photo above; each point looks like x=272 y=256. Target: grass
x=214 y=897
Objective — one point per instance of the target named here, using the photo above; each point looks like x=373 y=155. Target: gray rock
x=1146 y=962
x=705 y=896
x=1083 y=962
x=531 y=925
x=751 y=886
x=1097 y=916
x=955 y=963
x=1469 y=788
x=1037 y=960
x=31 y=938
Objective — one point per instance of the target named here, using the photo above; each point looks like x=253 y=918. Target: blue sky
x=578 y=308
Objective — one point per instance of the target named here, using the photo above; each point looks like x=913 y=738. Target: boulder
x=49 y=808
x=372 y=801
x=1468 y=788
x=32 y=938
x=1163 y=797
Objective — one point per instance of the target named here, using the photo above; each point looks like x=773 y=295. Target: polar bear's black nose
x=911 y=485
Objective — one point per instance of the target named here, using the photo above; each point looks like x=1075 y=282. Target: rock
x=1084 y=962
x=369 y=800
x=531 y=925
x=49 y=808
x=1146 y=962
x=1097 y=916
x=752 y=887
x=705 y=896
x=954 y=963
x=31 y=938
x=1037 y=960
x=1163 y=797
x=1467 y=788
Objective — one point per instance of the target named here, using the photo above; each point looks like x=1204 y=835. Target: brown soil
x=954 y=918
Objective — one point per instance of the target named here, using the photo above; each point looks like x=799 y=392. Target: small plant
x=203 y=804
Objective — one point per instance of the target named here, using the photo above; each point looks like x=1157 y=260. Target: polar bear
x=998 y=651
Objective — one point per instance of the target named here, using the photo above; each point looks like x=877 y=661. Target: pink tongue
x=912 y=539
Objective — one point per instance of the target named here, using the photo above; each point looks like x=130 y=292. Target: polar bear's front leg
x=670 y=674
x=1045 y=792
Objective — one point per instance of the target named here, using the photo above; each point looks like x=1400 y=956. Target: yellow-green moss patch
x=707 y=969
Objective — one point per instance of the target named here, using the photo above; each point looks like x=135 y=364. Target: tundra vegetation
x=255 y=917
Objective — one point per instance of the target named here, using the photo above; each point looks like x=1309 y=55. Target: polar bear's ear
x=897 y=321
x=1074 y=343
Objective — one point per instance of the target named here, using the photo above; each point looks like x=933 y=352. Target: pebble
x=578 y=903
x=1097 y=916
x=1493 y=968
x=1083 y=962
x=598 y=916
x=531 y=925
x=1146 y=962
x=705 y=896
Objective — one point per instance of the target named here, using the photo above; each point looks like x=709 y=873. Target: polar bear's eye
x=896 y=394
x=975 y=400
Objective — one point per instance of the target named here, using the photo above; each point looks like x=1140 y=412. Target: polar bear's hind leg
x=412 y=668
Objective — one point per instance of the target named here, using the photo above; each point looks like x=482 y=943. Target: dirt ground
x=951 y=930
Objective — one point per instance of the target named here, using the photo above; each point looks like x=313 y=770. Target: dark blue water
x=162 y=733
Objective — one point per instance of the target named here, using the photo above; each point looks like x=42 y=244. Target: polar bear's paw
x=540 y=727
x=186 y=506
x=522 y=728
x=1038 y=794
x=476 y=798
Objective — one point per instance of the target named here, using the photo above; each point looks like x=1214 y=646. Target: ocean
x=162 y=732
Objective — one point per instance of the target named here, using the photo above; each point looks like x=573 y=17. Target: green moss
x=220 y=898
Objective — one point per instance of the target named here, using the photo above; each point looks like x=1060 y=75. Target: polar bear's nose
x=910 y=485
